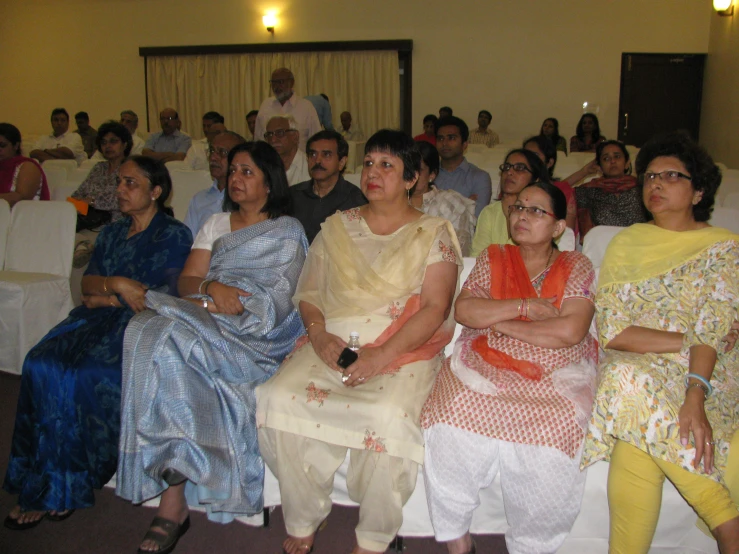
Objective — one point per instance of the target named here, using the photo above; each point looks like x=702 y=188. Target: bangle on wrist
x=705 y=384
x=105 y=285
x=205 y=283
x=312 y=323
x=697 y=386
x=208 y=286
x=520 y=308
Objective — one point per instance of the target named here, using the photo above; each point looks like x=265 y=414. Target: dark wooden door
x=659 y=93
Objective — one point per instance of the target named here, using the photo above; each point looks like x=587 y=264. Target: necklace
x=549 y=259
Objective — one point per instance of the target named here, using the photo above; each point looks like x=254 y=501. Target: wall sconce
x=723 y=7
x=270 y=20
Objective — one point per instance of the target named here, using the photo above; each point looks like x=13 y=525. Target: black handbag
x=95 y=218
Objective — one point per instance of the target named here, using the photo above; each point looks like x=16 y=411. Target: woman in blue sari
x=191 y=365
x=65 y=442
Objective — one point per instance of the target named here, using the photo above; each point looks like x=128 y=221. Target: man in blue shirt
x=210 y=201
x=169 y=144
x=323 y=109
x=456 y=173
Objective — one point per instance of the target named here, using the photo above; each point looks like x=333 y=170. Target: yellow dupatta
x=643 y=251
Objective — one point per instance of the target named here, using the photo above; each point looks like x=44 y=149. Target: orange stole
x=510 y=280
x=426 y=351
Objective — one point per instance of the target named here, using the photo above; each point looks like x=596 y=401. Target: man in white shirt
x=170 y=144
x=131 y=121
x=197 y=157
x=285 y=102
x=210 y=201
x=349 y=131
x=61 y=144
x=282 y=135
x=251 y=122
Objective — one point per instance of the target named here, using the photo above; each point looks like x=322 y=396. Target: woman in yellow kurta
x=668 y=401
x=388 y=272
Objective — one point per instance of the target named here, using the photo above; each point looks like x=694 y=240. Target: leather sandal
x=14 y=525
x=59 y=517
x=304 y=547
x=166 y=539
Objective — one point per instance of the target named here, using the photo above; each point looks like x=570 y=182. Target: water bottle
x=353 y=344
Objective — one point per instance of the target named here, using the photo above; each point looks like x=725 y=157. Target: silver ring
x=710 y=443
x=360 y=379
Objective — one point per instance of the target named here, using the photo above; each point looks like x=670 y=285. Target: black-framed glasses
x=533 y=211
x=518 y=168
x=279 y=133
x=218 y=151
x=669 y=176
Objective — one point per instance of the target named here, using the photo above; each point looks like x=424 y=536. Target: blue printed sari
x=65 y=441
x=189 y=375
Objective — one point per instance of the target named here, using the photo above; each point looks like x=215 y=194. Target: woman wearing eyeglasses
x=667 y=399
x=520 y=169
x=515 y=396
x=614 y=198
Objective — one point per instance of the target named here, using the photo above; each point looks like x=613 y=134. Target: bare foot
x=298 y=545
x=25 y=517
x=172 y=507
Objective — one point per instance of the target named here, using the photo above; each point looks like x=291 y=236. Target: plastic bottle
x=353 y=341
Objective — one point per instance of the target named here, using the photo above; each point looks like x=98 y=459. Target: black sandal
x=13 y=524
x=167 y=539
x=59 y=517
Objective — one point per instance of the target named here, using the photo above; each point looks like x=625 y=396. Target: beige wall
x=523 y=60
x=720 y=113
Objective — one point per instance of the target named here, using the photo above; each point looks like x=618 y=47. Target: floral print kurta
x=639 y=395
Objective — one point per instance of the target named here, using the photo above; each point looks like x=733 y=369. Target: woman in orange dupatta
x=516 y=394
x=389 y=272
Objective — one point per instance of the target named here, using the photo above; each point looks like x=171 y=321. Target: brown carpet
x=116 y=526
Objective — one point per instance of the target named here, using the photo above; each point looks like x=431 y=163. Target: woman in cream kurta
x=373 y=282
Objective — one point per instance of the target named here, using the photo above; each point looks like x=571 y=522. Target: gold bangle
x=314 y=323
x=105 y=285
x=111 y=302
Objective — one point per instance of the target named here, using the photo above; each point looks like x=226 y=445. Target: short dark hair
x=82 y=115
x=57 y=111
x=119 y=130
x=12 y=134
x=324 y=97
x=581 y=134
x=706 y=175
x=429 y=156
x=450 y=120
x=158 y=176
x=279 y=201
x=547 y=148
x=215 y=117
x=446 y=109
x=602 y=146
x=538 y=169
x=430 y=117
x=398 y=144
x=487 y=113
x=251 y=113
x=342 y=147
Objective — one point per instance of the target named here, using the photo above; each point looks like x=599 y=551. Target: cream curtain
x=367 y=84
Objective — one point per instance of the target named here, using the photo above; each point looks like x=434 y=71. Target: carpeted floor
x=114 y=526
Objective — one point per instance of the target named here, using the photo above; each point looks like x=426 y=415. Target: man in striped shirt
x=483 y=135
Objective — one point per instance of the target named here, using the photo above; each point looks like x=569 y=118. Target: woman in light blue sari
x=191 y=364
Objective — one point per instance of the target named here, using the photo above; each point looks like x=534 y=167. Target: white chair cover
x=596 y=241
x=69 y=165
x=353 y=178
x=176 y=165
x=4 y=229
x=55 y=177
x=727 y=218
x=185 y=185
x=61 y=192
x=76 y=176
x=34 y=287
x=729 y=186
x=731 y=201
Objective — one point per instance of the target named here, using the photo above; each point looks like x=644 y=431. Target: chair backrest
x=727 y=218
x=469 y=263
x=89 y=164
x=41 y=238
x=61 y=192
x=731 y=201
x=4 y=228
x=567 y=241
x=353 y=178
x=176 y=165
x=69 y=165
x=76 y=176
x=185 y=185
x=55 y=177
x=596 y=241
x=729 y=185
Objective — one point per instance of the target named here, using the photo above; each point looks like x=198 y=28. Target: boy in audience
x=210 y=201
x=445 y=111
x=456 y=172
x=170 y=144
x=348 y=131
x=282 y=134
x=429 y=130
x=86 y=133
x=483 y=135
x=251 y=121
x=197 y=156
x=327 y=191
x=60 y=144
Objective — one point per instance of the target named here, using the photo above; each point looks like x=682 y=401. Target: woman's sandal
x=59 y=516
x=14 y=525
x=305 y=548
x=167 y=539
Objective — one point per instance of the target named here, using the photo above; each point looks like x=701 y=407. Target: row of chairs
x=36 y=249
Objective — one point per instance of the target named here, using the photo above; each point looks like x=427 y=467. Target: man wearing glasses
x=197 y=156
x=282 y=135
x=285 y=102
x=210 y=201
x=456 y=173
x=170 y=143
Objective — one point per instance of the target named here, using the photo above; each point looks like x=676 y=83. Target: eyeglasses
x=533 y=211
x=608 y=157
x=220 y=152
x=279 y=133
x=669 y=176
x=518 y=168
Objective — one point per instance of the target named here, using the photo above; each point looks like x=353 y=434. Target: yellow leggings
x=635 y=482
